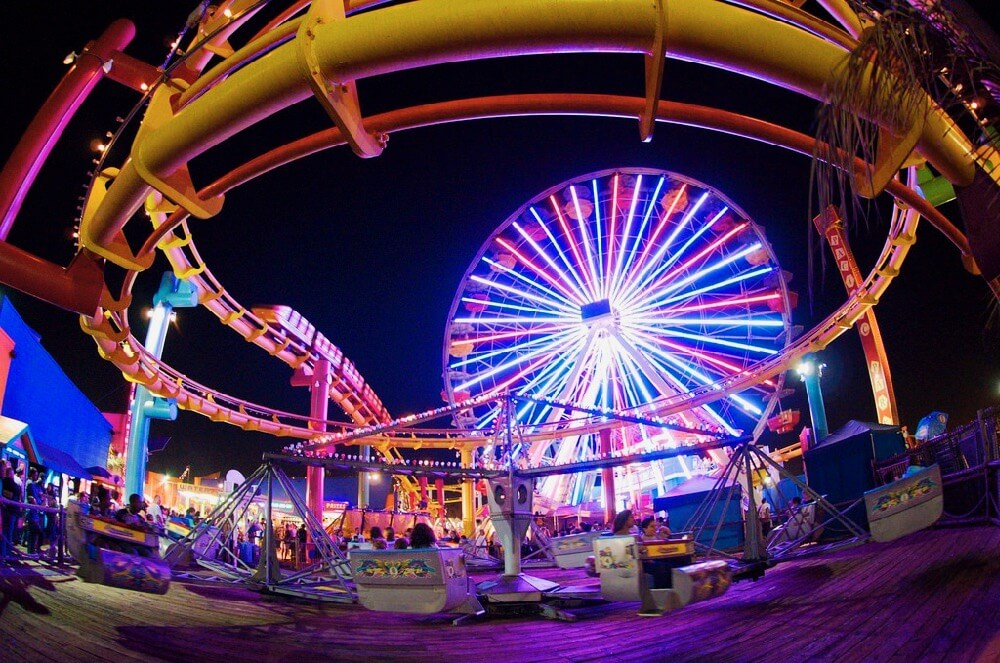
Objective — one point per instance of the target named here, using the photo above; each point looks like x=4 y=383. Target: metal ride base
x=521 y=595
x=209 y=545
x=513 y=592
x=758 y=553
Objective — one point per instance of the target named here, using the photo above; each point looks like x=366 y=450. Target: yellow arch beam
x=433 y=32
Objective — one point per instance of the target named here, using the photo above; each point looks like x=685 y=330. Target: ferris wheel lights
x=577 y=208
x=504 y=261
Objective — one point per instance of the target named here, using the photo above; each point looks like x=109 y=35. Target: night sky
x=372 y=251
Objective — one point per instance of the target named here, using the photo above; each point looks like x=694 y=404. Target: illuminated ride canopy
x=613 y=290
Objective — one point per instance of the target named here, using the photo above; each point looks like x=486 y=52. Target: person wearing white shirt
x=156 y=511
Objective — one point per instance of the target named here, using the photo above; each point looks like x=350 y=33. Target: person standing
x=156 y=511
x=290 y=538
x=303 y=537
x=53 y=528
x=11 y=492
x=32 y=526
x=764 y=515
x=254 y=532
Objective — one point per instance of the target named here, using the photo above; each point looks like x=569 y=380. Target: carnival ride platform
x=918 y=598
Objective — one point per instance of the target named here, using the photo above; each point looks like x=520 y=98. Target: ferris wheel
x=614 y=290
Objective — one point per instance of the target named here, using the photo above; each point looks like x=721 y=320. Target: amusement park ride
x=628 y=318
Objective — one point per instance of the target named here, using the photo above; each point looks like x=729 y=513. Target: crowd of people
x=421 y=535
x=288 y=538
x=30 y=509
x=34 y=527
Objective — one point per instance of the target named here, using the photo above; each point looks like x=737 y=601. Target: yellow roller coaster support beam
x=430 y=32
x=468 y=503
x=338 y=96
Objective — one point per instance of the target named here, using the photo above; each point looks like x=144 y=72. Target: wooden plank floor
x=933 y=596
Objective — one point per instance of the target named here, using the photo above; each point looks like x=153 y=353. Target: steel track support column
x=468 y=503
x=319 y=408
x=173 y=293
x=607 y=478
x=811 y=371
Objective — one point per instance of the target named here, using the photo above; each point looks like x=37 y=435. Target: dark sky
x=372 y=251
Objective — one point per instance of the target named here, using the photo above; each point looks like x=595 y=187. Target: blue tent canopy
x=685 y=500
x=854 y=428
x=840 y=466
x=39 y=393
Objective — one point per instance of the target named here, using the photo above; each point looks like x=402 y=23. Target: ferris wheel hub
x=598 y=314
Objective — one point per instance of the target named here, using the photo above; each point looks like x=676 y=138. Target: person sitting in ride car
x=132 y=514
x=649 y=528
x=623 y=523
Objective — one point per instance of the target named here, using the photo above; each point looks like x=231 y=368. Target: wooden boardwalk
x=933 y=596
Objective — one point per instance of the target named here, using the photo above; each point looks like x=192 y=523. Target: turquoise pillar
x=810 y=370
x=173 y=293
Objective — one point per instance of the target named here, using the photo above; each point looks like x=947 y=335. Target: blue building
x=44 y=418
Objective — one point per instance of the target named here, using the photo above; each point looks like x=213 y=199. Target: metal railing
x=969 y=457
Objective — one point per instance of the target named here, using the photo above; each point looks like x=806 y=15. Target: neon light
x=611 y=235
x=697 y=276
x=670 y=241
x=597 y=222
x=651 y=281
x=656 y=235
x=593 y=274
x=704 y=379
x=582 y=291
x=732 y=368
x=687 y=217
x=505 y=335
x=512 y=321
x=573 y=296
x=527 y=295
x=568 y=234
x=501 y=368
x=719 y=322
x=617 y=274
x=505 y=305
x=726 y=303
x=718 y=341
x=642 y=227
x=712 y=413
x=479 y=357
